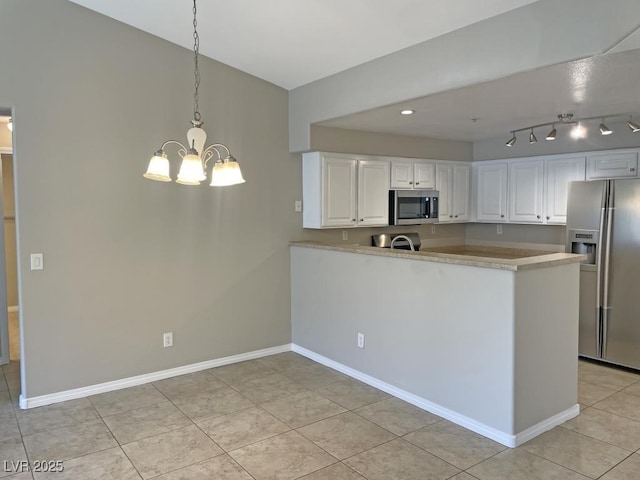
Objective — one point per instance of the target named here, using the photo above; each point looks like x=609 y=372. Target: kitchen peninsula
x=488 y=340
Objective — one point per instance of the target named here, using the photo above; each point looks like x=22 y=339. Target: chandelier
x=195 y=156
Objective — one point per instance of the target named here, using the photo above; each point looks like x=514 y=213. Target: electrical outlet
x=360 y=340
x=298 y=206
x=499 y=230
x=167 y=340
x=345 y=234
x=433 y=229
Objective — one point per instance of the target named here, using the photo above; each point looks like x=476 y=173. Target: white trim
x=499 y=436
x=6 y=150
x=12 y=308
x=26 y=402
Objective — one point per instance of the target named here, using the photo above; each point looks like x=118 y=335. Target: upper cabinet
x=407 y=174
x=525 y=191
x=612 y=165
x=558 y=173
x=453 y=182
x=344 y=191
x=491 y=191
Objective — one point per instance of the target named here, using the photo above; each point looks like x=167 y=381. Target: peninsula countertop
x=470 y=255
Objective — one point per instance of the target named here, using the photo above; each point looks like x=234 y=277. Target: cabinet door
x=424 y=175
x=401 y=174
x=373 y=193
x=444 y=185
x=558 y=174
x=525 y=191
x=611 y=165
x=339 y=192
x=491 y=197
x=461 y=184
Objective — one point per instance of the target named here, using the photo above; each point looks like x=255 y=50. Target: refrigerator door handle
x=599 y=261
x=607 y=267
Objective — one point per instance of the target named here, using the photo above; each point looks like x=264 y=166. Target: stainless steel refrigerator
x=603 y=222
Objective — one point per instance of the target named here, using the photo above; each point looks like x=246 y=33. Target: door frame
x=4 y=315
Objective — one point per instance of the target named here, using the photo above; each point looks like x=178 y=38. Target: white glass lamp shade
x=191 y=171
x=158 y=168
x=226 y=173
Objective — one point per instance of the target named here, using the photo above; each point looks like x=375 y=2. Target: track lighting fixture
x=577 y=132
x=632 y=125
x=552 y=134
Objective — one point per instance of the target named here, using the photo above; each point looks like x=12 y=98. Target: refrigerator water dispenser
x=584 y=242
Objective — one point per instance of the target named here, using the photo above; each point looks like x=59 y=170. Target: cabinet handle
x=502 y=216
x=353 y=220
x=410 y=183
x=362 y=219
x=417 y=183
x=632 y=169
x=456 y=216
x=450 y=216
x=548 y=218
x=538 y=216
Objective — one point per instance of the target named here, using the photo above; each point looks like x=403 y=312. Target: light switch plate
x=37 y=261
x=298 y=206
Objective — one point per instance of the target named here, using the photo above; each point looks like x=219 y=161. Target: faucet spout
x=403 y=237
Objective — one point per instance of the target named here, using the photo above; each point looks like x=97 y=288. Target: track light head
x=632 y=125
x=532 y=137
x=552 y=134
x=512 y=141
x=578 y=132
x=604 y=130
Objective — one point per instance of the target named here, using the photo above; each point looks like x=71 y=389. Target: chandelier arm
x=208 y=153
x=220 y=145
x=182 y=151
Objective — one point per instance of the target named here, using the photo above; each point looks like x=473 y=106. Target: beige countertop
x=471 y=255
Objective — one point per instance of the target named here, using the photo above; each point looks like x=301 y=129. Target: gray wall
x=127 y=259
x=328 y=139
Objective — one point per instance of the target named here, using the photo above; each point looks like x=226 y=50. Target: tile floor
x=286 y=417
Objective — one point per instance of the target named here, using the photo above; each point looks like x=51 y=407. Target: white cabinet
x=491 y=192
x=453 y=182
x=526 y=184
x=373 y=193
x=412 y=174
x=344 y=191
x=558 y=173
x=612 y=165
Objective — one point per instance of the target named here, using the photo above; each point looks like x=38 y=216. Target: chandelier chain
x=196 y=48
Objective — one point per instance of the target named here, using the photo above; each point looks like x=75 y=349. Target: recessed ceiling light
x=407 y=112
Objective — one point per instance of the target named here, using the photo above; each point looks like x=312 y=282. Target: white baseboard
x=31 y=402
x=12 y=308
x=499 y=436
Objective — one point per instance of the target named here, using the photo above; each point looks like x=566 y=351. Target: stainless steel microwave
x=413 y=207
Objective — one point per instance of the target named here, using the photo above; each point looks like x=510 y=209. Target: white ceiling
x=294 y=42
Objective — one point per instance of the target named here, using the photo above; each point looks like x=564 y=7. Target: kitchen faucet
x=403 y=237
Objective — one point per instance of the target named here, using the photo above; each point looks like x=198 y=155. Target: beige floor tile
x=111 y=464
x=337 y=471
x=463 y=476
x=296 y=456
x=627 y=470
x=518 y=464
x=576 y=451
x=3 y=384
x=346 y=435
x=454 y=444
x=622 y=404
x=315 y=376
x=607 y=427
x=302 y=409
x=269 y=388
x=12 y=451
x=242 y=428
x=402 y=460
x=590 y=393
x=286 y=361
x=58 y=415
x=221 y=467
x=352 y=394
x=221 y=401
x=12 y=366
x=6 y=404
x=8 y=427
x=605 y=376
x=146 y=422
x=19 y=476
x=633 y=389
x=397 y=416
x=170 y=451
x=69 y=442
x=189 y=384
x=13 y=381
x=242 y=372
x=110 y=403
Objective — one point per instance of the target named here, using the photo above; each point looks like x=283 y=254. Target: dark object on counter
x=384 y=241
